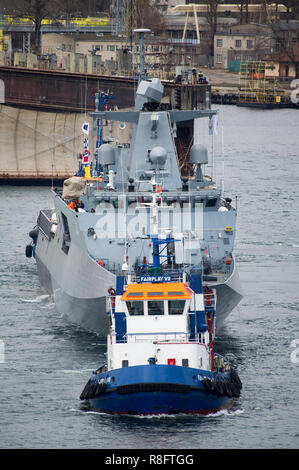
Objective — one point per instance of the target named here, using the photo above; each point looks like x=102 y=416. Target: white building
x=241 y=42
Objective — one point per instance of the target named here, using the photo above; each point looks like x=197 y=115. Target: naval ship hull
x=229 y=294
x=78 y=287
x=87 y=313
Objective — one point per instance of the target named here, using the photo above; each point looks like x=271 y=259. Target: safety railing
x=44 y=223
x=169 y=337
x=162 y=338
x=113 y=268
x=210 y=300
x=221 y=363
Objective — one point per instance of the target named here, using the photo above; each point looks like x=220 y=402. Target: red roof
x=287 y=55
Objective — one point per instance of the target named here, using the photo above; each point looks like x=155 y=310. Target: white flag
x=85 y=128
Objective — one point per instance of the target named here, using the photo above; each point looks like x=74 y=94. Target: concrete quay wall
x=40 y=145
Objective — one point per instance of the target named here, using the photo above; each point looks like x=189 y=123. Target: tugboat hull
x=158 y=389
x=157 y=403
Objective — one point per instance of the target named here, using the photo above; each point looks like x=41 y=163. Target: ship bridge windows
x=135 y=307
x=155 y=307
x=176 y=307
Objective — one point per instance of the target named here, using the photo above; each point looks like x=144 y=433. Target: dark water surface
x=47 y=361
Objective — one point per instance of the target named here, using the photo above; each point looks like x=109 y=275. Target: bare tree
x=148 y=16
x=67 y=8
x=211 y=17
x=36 y=11
x=292 y=9
x=243 y=6
x=287 y=45
x=293 y=55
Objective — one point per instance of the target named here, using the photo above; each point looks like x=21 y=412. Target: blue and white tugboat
x=160 y=346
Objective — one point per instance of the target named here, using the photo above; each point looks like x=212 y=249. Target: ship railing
x=210 y=301
x=221 y=363
x=114 y=268
x=109 y=299
x=158 y=337
x=44 y=223
x=179 y=337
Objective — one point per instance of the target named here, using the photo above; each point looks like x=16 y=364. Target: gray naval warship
x=79 y=244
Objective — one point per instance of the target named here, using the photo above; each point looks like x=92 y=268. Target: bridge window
x=135 y=308
x=176 y=307
x=156 y=307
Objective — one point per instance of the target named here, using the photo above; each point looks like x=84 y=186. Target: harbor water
x=45 y=362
